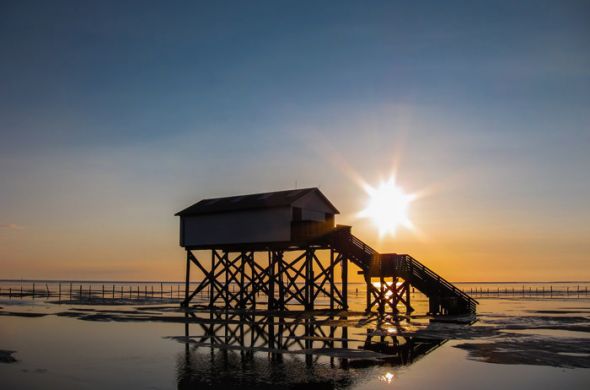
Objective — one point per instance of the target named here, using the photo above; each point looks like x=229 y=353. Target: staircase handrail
x=440 y=279
x=342 y=234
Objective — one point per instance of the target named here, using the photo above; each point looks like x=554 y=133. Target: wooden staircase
x=444 y=297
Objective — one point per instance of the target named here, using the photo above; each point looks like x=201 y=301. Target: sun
x=388 y=207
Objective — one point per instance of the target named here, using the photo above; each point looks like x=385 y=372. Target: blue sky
x=113 y=115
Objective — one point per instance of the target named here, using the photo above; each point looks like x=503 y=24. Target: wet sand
x=515 y=343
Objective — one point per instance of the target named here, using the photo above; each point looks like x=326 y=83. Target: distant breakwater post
x=270 y=244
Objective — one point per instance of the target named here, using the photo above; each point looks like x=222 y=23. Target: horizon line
x=198 y=281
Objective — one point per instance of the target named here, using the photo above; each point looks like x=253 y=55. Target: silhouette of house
x=281 y=217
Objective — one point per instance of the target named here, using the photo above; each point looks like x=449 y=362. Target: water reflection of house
x=231 y=350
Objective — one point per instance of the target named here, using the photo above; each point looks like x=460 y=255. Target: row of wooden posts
x=81 y=291
x=113 y=291
x=530 y=291
x=176 y=291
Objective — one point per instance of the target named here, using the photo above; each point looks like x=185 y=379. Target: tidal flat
x=514 y=342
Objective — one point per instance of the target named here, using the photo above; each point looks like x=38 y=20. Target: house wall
x=248 y=226
x=313 y=207
x=312 y=201
x=312 y=215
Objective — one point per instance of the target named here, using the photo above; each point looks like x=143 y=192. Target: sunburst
x=388 y=207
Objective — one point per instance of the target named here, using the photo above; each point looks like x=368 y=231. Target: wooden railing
x=363 y=256
x=414 y=265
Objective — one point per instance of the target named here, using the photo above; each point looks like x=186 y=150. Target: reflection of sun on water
x=388 y=293
x=387 y=378
x=388 y=207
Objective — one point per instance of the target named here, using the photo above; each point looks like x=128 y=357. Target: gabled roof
x=253 y=201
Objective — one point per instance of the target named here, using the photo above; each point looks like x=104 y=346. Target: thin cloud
x=11 y=226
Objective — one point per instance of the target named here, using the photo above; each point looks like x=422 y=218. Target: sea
x=107 y=334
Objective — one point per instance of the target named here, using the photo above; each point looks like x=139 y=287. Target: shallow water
x=517 y=342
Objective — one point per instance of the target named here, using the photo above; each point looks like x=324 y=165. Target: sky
x=114 y=115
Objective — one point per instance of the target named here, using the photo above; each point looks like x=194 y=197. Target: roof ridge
x=282 y=198
x=261 y=193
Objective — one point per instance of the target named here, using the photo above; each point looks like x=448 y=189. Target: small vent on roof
x=265 y=196
x=211 y=201
x=294 y=193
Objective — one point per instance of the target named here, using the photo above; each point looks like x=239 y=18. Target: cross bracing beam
x=243 y=279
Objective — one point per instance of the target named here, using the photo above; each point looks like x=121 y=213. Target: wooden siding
x=248 y=226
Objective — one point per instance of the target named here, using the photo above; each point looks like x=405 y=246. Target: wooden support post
x=281 y=270
x=212 y=275
x=271 y=281
x=242 y=271
x=382 y=295
x=409 y=308
x=345 y=282
x=369 y=285
x=309 y=279
x=271 y=332
x=187 y=279
x=331 y=276
x=224 y=265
